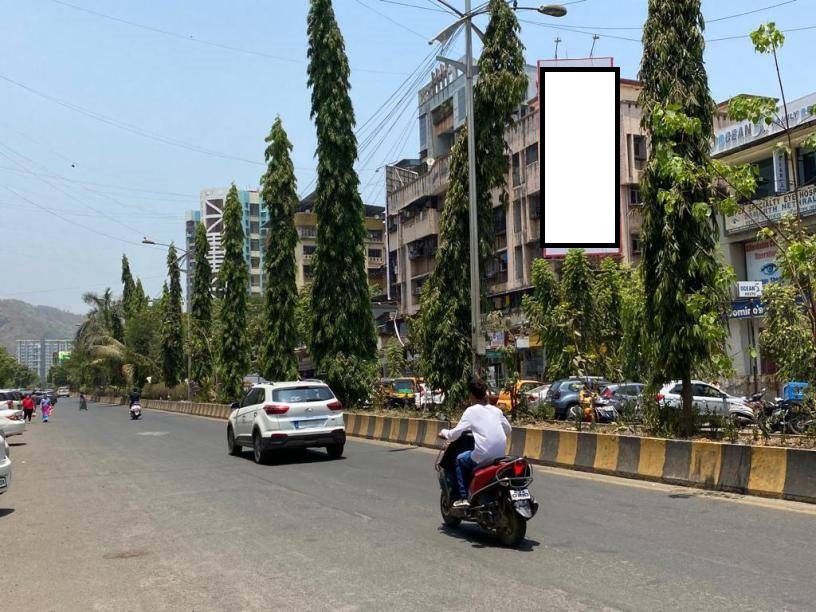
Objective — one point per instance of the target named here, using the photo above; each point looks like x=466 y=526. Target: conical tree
x=172 y=342
x=201 y=356
x=679 y=234
x=233 y=279
x=128 y=287
x=279 y=193
x=139 y=298
x=343 y=328
x=444 y=326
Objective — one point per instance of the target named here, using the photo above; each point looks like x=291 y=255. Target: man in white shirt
x=490 y=430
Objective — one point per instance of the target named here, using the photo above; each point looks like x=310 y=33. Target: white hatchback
x=5 y=465
x=298 y=414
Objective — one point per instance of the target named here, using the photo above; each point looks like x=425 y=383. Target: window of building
x=256 y=280
x=309 y=249
x=635 y=244
x=499 y=220
x=307 y=231
x=516 y=169
x=807 y=167
x=518 y=262
x=254 y=262
x=254 y=210
x=375 y=235
x=531 y=153
x=517 y=216
x=254 y=245
x=460 y=102
x=375 y=253
x=534 y=206
x=254 y=227
x=639 y=148
x=634 y=195
x=765 y=179
x=307 y=272
x=423 y=132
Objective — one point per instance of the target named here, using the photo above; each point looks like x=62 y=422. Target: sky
x=116 y=114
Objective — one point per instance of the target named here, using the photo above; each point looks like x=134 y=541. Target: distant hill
x=19 y=320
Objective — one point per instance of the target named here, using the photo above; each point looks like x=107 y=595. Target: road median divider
x=768 y=471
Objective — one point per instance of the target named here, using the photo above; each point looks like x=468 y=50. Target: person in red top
x=28 y=407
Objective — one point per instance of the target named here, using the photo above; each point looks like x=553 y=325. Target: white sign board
x=748 y=289
x=773 y=208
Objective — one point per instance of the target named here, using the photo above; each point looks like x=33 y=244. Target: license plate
x=308 y=424
x=2 y=481
x=519 y=494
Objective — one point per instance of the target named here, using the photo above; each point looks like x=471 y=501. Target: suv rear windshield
x=296 y=395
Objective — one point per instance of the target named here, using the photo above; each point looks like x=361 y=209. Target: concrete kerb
x=788 y=473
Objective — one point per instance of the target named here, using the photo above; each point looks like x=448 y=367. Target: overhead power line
x=200 y=41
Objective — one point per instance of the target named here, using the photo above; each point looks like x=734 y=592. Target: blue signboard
x=746 y=309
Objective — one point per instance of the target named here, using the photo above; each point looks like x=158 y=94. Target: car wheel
x=258 y=453
x=335 y=451
x=233 y=448
x=572 y=412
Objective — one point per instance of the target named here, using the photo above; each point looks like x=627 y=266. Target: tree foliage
x=14 y=375
x=279 y=193
x=685 y=286
x=443 y=329
x=172 y=341
x=342 y=328
x=395 y=362
x=233 y=281
x=128 y=287
x=200 y=321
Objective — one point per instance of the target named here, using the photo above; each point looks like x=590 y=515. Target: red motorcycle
x=500 y=500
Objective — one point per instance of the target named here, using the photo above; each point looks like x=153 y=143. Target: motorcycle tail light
x=519 y=467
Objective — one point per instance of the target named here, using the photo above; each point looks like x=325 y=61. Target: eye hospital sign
x=746 y=132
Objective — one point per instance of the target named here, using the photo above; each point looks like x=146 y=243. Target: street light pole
x=473 y=205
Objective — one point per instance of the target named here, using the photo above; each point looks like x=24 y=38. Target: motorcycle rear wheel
x=444 y=508
x=513 y=527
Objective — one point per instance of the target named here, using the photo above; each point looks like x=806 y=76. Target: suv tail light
x=660 y=397
x=13 y=417
x=607 y=393
x=532 y=398
x=276 y=409
x=335 y=405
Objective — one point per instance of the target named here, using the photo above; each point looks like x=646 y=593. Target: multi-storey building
x=40 y=355
x=415 y=194
x=306 y=225
x=192 y=219
x=256 y=218
x=752 y=259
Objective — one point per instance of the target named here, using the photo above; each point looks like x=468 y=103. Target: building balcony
x=433 y=182
x=533 y=182
x=425 y=223
x=772 y=207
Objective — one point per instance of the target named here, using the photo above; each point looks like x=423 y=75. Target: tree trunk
x=687 y=416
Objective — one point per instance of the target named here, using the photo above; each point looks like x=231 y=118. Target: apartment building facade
x=41 y=355
x=415 y=194
x=753 y=259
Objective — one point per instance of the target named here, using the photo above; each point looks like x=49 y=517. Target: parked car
x=707 y=399
x=616 y=395
x=537 y=395
x=565 y=394
x=63 y=392
x=426 y=397
x=522 y=386
x=12 y=421
x=5 y=465
x=13 y=396
x=283 y=415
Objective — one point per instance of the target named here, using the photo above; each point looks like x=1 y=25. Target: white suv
x=300 y=414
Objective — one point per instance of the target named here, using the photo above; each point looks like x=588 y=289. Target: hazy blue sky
x=168 y=103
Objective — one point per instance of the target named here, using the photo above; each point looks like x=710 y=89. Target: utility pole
x=475 y=293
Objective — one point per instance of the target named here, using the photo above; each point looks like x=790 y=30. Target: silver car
x=707 y=399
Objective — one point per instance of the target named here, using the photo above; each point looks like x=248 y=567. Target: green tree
x=128 y=287
x=634 y=350
x=279 y=193
x=608 y=306
x=787 y=339
x=139 y=299
x=13 y=374
x=233 y=279
x=201 y=357
x=342 y=328
x=443 y=329
x=684 y=283
x=543 y=308
x=172 y=341
x=395 y=361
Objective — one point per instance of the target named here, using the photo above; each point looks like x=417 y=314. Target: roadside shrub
x=662 y=420
x=162 y=391
x=351 y=378
x=629 y=414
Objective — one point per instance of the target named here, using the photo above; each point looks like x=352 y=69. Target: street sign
x=749 y=289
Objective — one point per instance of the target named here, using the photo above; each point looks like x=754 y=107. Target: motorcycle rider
x=490 y=429
x=135 y=398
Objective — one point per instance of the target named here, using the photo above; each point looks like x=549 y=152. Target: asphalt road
x=105 y=513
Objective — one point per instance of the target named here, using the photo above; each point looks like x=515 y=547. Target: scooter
x=135 y=411
x=500 y=500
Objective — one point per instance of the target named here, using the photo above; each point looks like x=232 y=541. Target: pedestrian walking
x=83 y=404
x=45 y=408
x=28 y=407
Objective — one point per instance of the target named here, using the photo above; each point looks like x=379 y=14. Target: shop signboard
x=773 y=208
x=749 y=289
x=760 y=262
x=746 y=309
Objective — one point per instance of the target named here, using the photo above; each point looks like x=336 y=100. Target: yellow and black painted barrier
x=788 y=473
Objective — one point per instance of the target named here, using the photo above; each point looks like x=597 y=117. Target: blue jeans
x=464 y=471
